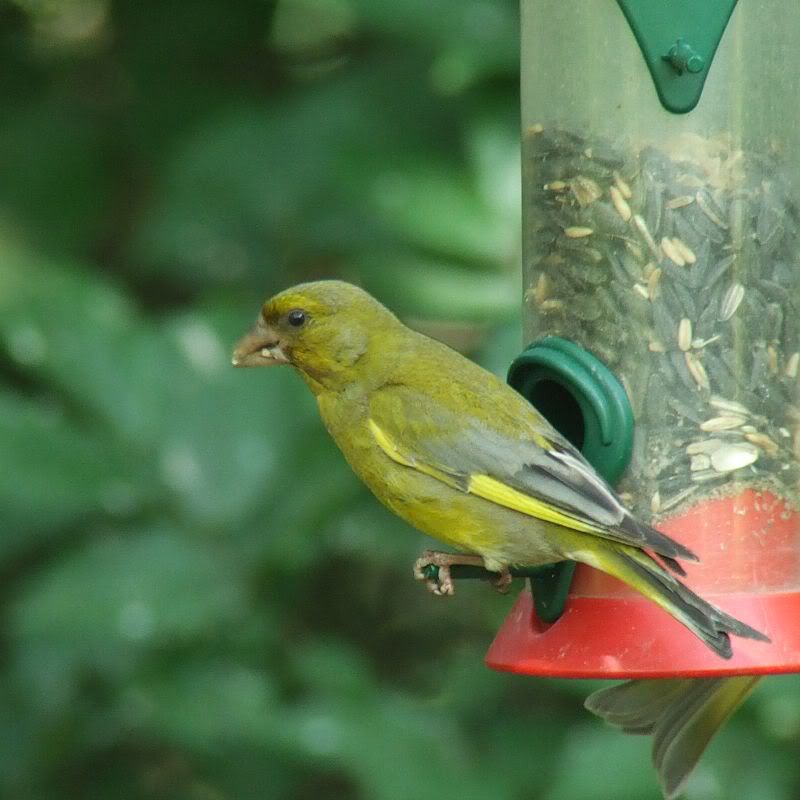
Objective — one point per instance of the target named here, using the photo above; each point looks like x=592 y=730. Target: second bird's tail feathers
x=682 y=715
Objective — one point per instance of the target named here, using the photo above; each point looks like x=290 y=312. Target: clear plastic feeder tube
x=669 y=246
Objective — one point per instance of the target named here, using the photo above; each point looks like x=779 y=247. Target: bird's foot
x=433 y=568
x=502 y=580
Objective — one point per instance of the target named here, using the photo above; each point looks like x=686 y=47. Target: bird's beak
x=259 y=348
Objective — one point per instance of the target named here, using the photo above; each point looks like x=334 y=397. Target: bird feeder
x=661 y=188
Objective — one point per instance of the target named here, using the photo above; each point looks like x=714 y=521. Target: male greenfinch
x=461 y=456
x=682 y=715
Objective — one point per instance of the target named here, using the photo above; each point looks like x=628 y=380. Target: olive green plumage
x=461 y=456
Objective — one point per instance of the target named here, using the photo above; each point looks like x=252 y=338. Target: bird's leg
x=502 y=580
x=442 y=585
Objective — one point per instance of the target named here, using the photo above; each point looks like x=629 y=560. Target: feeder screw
x=684 y=58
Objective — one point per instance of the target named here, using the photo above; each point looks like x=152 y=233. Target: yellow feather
x=497 y=492
x=387 y=445
x=486 y=487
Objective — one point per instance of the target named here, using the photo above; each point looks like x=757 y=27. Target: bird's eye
x=296 y=317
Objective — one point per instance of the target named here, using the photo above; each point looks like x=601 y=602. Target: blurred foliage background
x=198 y=599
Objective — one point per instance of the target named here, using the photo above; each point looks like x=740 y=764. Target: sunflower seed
x=623 y=209
x=772 y=359
x=699 y=461
x=685 y=334
x=763 y=442
x=724 y=423
x=705 y=475
x=641 y=226
x=577 y=232
x=769 y=224
x=703 y=446
x=681 y=201
x=686 y=252
x=792 y=363
x=623 y=187
x=697 y=370
x=634 y=250
x=543 y=288
x=585 y=190
x=708 y=207
x=655 y=502
x=652 y=283
x=718 y=270
x=672 y=252
x=728 y=406
x=730 y=302
x=730 y=457
x=605 y=218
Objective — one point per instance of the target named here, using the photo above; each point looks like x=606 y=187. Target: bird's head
x=324 y=329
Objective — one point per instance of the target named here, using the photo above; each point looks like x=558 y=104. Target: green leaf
x=599 y=763
x=119 y=595
x=227 y=435
x=208 y=705
x=439 y=209
x=430 y=287
x=57 y=473
x=54 y=188
x=215 y=437
x=477 y=37
x=80 y=333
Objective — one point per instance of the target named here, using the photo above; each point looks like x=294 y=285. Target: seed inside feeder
x=685 y=270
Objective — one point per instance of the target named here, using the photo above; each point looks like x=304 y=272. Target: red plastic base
x=609 y=631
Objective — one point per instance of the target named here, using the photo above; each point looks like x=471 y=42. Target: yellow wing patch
x=387 y=445
x=483 y=486
x=497 y=492
x=394 y=452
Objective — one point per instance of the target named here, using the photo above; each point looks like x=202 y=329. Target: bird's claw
x=438 y=581
x=443 y=586
x=502 y=581
x=433 y=568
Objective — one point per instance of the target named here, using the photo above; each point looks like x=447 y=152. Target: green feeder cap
x=678 y=40
x=586 y=403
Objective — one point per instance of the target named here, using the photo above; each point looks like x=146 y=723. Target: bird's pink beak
x=259 y=348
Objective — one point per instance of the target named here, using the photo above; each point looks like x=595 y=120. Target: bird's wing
x=519 y=462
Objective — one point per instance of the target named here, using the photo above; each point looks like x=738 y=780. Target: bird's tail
x=682 y=715
x=647 y=576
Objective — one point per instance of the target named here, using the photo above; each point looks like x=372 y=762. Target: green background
x=197 y=598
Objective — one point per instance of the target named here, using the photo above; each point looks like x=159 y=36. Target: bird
x=453 y=450
x=682 y=715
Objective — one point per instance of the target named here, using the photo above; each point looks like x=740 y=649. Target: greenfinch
x=461 y=456
x=681 y=714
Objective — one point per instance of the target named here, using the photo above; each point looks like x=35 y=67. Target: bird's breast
x=459 y=520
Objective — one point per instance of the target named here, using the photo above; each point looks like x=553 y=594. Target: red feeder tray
x=749 y=550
